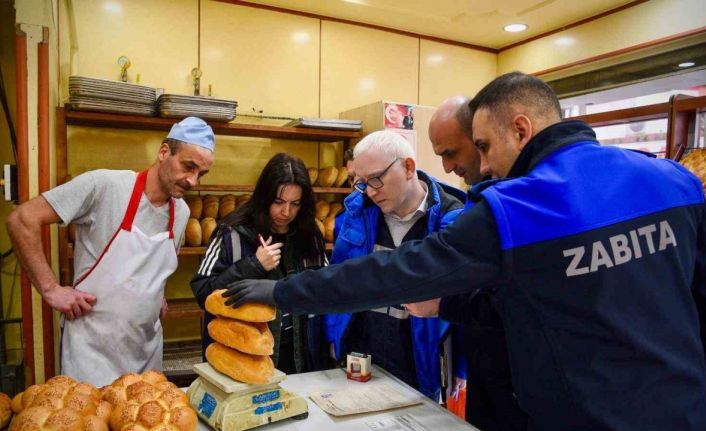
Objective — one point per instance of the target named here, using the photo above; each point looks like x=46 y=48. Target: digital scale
x=229 y=405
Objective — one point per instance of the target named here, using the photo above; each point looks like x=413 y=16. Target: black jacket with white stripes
x=230 y=257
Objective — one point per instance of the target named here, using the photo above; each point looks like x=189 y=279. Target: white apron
x=122 y=332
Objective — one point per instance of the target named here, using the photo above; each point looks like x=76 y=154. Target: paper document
x=397 y=423
x=366 y=398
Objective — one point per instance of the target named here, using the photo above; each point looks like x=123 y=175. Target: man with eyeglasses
x=393 y=203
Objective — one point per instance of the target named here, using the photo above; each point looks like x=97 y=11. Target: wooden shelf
x=192 y=251
x=184 y=251
x=183 y=307
x=136 y=122
x=250 y=189
x=199 y=251
x=66 y=117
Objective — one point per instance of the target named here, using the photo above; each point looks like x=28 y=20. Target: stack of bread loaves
x=204 y=213
x=326 y=216
x=60 y=404
x=244 y=342
x=148 y=402
x=328 y=177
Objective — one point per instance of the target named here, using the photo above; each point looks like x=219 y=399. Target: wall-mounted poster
x=399 y=116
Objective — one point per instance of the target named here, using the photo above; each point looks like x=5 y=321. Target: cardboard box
x=359 y=366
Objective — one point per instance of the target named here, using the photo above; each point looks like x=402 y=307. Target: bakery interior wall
x=608 y=40
x=280 y=64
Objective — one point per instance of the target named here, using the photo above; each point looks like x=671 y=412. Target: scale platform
x=229 y=405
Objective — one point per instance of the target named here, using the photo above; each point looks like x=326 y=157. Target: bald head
x=451 y=137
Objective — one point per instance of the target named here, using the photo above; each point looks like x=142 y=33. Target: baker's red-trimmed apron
x=122 y=332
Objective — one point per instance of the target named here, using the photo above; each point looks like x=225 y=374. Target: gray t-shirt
x=96 y=202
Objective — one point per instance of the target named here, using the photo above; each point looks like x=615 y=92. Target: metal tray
x=81 y=103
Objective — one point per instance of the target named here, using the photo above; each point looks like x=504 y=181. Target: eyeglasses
x=375 y=182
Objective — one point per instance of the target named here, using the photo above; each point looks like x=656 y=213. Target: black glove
x=245 y=291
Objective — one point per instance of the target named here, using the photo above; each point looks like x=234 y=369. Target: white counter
x=428 y=416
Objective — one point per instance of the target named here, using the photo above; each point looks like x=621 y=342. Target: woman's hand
x=269 y=255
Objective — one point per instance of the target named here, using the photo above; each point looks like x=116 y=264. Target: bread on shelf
x=195 y=206
x=313 y=175
x=327 y=176
x=193 y=233
x=208 y=226
x=322 y=209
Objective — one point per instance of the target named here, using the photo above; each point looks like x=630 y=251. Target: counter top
x=427 y=416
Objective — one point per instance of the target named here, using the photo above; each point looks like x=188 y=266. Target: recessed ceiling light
x=687 y=64
x=514 y=28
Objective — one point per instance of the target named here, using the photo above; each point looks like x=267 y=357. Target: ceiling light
x=687 y=64
x=301 y=37
x=514 y=28
x=435 y=59
x=112 y=7
x=565 y=41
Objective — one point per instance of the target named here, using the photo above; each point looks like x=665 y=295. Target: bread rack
x=228 y=405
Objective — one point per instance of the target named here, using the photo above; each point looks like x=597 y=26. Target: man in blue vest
x=594 y=255
x=393 y=203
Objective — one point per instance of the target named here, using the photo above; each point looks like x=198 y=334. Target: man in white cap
x=128 y=230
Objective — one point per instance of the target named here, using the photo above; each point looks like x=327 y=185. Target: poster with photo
x=398 y=116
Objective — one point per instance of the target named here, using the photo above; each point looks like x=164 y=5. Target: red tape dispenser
x=358 y=366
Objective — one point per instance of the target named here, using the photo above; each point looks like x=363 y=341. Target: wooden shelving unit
x=66 y=117
x=250 y=189
x=183 y=308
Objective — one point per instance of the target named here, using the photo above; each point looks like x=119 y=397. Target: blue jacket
x=594 y=256
x=356 y=231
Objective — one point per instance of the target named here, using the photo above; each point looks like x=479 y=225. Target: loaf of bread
x=327 y=176
x=322 y=209
x=129 y=385
x=253 y=338
x=195 y=206
x=342 y=177
x=227 y=207
x=60 y=403
x=240 y=201
x=193 y=233
x=208 y=225
x=210 y=206
x=5 y=410
x=329 y=223
x=313 y=175
x=335 y=208
x=42 y=418
x=695 y=161
x=240 y=366
x=216 y=304
x=148 y=402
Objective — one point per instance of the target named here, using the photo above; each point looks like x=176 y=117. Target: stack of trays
x=321 y=123
x=92 y=94
x=208 y=108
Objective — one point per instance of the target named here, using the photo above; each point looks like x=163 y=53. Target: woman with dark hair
x=281 y=211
